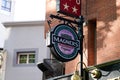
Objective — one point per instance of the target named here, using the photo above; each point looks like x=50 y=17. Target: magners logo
x=65 y=42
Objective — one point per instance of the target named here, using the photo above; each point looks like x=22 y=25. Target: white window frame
x=27 y=51
x=27 y=54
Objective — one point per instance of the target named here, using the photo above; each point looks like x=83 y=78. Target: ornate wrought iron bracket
x=79 y=22
x=63 y=19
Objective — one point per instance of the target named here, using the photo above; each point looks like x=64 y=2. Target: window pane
x=23 y=59
x=31 y=55
x=3 y=3
x=8 y=4
x=31 y=58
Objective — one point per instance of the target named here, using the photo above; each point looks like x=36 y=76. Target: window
x=92 y=42
x=25 y=57
x=6 y=5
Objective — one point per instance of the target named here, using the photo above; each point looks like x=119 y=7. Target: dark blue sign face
x=65 y=42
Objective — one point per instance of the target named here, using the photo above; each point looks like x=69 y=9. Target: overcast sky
x=27 y=10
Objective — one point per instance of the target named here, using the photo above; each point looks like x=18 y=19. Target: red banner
x=70 y=7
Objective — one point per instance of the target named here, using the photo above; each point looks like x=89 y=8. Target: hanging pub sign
x=69 y=7
x=65 y=43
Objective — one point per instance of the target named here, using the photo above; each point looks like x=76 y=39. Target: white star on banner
x=66 y=6
x=74 y=9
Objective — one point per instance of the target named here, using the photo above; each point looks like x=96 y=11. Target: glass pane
x=8 y=4
x=3 y=3
x=23 y=59
x=31 y=60
x=32 y=56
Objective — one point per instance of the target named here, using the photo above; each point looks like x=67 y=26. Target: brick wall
x=51 y=9
x=106 y=46
x=106 y=13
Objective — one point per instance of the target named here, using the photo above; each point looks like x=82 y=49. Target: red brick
x=107 y=40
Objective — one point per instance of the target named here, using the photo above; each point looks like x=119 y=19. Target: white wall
x=2 y=35
x=5 y=16
x=24 y=37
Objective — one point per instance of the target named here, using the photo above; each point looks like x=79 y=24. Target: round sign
x=65 y=42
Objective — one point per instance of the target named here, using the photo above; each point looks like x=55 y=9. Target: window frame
x=27 y=54
x=4 y=5
x=92 y=54
x=25 y=51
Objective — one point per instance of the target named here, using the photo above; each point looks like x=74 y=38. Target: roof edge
x=23 y=23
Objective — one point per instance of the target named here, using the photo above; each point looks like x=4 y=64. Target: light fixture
x=76 y=76
x=95 y=73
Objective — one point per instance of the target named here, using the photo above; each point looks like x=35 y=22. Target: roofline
x=23 y=23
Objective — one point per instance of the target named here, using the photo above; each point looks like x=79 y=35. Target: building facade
x=25 y=47
x=6 y=14
x=100 y=43
x=102 y=25
x=101 y=31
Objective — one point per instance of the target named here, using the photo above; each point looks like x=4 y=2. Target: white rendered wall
x=5 y=16
x=2 y=35
x=24 y=37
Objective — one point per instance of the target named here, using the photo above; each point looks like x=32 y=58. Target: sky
x=29 y=10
